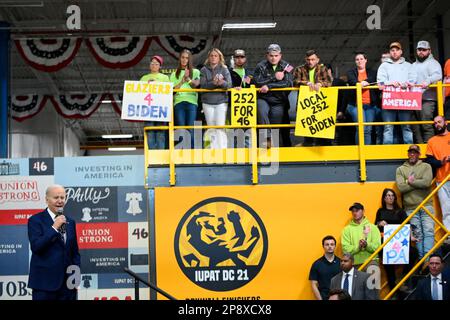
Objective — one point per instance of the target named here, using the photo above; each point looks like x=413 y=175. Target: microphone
x=60 y=211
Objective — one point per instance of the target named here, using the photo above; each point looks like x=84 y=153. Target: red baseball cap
x=158 y=58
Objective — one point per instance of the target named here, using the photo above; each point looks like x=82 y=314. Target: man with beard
x=413 y=179
x=438 y=155
x=428 y=72
x=397 y=72
x=314 y=75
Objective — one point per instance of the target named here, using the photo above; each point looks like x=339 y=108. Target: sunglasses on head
x=239 y=56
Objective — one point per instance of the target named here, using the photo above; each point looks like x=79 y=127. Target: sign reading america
x=402 y=98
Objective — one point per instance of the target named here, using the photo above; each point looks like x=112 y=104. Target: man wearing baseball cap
x=360 y=237
x=273 y=106
x=397 y=72
x=240 y=76
x=413 y=179
x=428 y=72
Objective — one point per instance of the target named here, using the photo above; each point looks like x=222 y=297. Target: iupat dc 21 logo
x=221 y=244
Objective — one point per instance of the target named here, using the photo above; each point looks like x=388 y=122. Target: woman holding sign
x=156 y=139
x=215 y=75
x=185 y=103
x=391 y=213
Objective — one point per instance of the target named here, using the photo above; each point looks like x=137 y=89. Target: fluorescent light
x=117 y=136
x=256 y=25
x=121 y=148
x=106 y=101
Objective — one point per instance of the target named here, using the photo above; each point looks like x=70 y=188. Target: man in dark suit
x=353 y=281
x=54 y=248
x=435 y=286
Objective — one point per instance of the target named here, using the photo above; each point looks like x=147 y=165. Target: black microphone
x=60 y=211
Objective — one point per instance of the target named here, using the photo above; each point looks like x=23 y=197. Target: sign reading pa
x=397 y=250
x=150 y=101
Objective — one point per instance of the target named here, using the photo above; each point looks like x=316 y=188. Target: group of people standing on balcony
x=279 y=107
x=360 y=238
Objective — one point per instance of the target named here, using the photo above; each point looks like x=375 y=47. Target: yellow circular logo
x=221 y=244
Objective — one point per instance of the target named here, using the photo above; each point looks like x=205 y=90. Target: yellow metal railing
x=437 y=245
x=255 y=155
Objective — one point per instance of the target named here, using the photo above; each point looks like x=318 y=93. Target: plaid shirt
x=301 y=76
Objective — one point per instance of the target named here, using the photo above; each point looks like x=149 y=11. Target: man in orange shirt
x=438 y=155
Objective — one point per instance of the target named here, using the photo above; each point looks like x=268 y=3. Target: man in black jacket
x=435 y=286
x=240 y=76
x=273 y=106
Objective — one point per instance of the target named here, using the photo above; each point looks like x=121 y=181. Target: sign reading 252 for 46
x=243 y=107
x=150 y=101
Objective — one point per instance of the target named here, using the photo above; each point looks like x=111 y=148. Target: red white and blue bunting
x=48 y=55
x=26 y=106
x=119 y=52
x=173 y=45
x=77 y=106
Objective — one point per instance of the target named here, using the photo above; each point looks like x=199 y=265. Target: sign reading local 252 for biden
x=316 y=112
x=150 y=101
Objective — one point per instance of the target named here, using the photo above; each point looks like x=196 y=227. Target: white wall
x=43 y=135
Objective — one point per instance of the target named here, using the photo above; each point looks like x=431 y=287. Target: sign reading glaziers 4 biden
x=106 y=198
x=221 y=244
x=150 y=101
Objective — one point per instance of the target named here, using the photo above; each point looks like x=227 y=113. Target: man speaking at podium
x=54 y=248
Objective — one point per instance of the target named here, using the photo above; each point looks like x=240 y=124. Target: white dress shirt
x=439 y=285
x=350 y=280
x=53 y=216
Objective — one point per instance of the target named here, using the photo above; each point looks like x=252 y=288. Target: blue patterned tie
x=434 y=289
x=346 y=283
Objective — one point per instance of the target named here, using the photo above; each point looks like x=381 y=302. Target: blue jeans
x=368 y=115
x=185 y=115
x=424 y=230
x=156 y=139
x=378 y=129
x=391 y=116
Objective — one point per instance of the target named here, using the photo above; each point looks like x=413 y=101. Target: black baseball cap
x=357 y=206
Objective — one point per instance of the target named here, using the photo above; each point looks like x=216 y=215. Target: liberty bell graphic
x=86 y=214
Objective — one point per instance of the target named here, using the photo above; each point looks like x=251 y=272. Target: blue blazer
x=423 y=289
x=50 y=256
